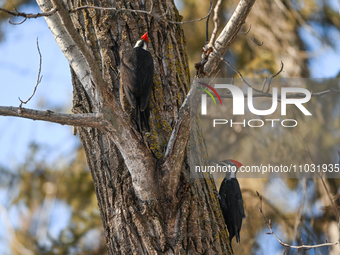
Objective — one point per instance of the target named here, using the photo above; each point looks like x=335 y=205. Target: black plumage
x=231 y=201
x=137 y=70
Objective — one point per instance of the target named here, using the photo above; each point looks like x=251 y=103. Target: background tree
x=302 y=34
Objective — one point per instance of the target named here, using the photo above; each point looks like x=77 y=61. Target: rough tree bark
x=147 y=200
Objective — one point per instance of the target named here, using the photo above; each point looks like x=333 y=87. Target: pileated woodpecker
x=137 y=72
x=231 y=201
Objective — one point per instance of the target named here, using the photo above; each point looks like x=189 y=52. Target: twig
x=298 y=247
x=266 y=94
x=336 y=213
x=207 y=49
x=253 y=40
x=264 y=83
x=245 y=33
x=139 y=11
x=298 y=216
x=28 y=15
x=216 y=20
x=236 y=71
x=207 y=26
x=39 y=78
x=273 y=76
x=278 y=213
x=17 y=23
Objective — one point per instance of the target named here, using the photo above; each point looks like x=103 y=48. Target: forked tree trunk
x=187 y=220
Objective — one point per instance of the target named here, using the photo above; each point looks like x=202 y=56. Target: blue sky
x=19 y=62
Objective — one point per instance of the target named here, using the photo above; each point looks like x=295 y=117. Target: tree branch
x=216 y=20
x=28 y=15
x=298 y=247
x=228 y=34
x=94 y=120
x=252 y=39
x=39 y=78
x=119 y=127
x=180 y=134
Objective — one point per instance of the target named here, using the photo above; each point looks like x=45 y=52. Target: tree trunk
x=148 y=202
x=188 y=222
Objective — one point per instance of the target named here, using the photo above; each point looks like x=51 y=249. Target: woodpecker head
x=143 y=42
x=230 y=163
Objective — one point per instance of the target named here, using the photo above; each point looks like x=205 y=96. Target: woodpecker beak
x=145 y=37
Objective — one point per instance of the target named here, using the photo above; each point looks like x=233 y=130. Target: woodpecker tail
x=237 y=236
x=142 y=116
x=138 y=116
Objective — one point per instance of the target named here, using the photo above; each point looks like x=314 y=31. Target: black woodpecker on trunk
x=231 y=201
x=137 y=70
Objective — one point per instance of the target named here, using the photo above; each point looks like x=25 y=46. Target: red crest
x=145 y=37
x=238 y=164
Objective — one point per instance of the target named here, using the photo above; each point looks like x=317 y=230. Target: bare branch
x=236 y=71
x=253 y=40
x=207 y=26
x=228 y=34
x=159 y=17
x=298 y=247
x=335 y=210
x=196 y=20
x=216 y=20
x=17 y=23
x=28 y=15
x=94 y=120
x=273 y=76
x=245 y=33
x=39 y=78
x=207 y=49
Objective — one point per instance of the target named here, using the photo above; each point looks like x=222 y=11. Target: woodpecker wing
x=238 y=212
x=128 y=72
x=231 y=203
x=145 y=76
x=137 y=71
x=226 y=203
x=241 y=208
